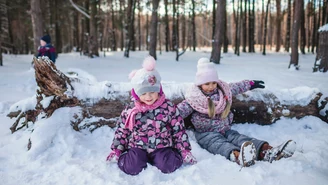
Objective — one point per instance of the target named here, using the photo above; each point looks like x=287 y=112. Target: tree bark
x=225 y=40
x=129 y=27
x=265 y=28
x=324 y=13
x=287 y=42
x=219 y=32
x=167 y=27
x=194 y=41
x=174 y=29
x=244 y=26
x=36 y=16
x=321 y=60
x=278 y=24
x=314 y=31
x=121 y=23
x=302 y=27
x=139 y=25
x=296 y=27
x=251 y=33
x=1 y=15
x=93 y=37
x=113 y=31
x=153 y=29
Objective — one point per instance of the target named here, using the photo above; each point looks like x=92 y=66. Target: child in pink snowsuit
x=208 y=102
x=150 y=130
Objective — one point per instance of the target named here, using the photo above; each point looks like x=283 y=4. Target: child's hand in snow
x=113 y=156
x=188 y=158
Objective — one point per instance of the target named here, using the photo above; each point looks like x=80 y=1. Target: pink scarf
x=141 y=107
x=198 y=101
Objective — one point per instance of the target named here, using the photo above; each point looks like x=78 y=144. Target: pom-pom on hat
x=146 y=79
x=206 y=72
x=46 y=39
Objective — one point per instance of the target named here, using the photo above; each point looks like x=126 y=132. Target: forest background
x=93 y=26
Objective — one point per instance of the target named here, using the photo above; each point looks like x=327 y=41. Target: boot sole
x=282 y=153
x=248 y=158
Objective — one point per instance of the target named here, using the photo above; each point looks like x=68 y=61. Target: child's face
x=149 y=97
x=209 y=87
x=42 y=43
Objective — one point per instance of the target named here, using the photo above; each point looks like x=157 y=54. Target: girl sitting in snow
x=209 y=101
x=151 y=128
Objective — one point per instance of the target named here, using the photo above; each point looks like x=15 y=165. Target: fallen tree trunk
x=57 y=88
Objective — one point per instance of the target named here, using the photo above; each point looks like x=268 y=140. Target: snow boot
x=284 y=150
x=247 y=155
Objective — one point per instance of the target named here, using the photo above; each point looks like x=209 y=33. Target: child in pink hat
x=208 y=102
x=150 y=130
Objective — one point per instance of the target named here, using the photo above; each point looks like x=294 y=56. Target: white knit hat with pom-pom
x=146 y=79
x=206 y=72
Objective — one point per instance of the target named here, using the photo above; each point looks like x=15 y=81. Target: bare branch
x=79 y=9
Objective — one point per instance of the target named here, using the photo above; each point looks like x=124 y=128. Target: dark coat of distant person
x=46 y=48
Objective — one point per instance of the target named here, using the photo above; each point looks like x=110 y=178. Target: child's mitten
x=188 y=158
x=114 y=155
x=257 y=84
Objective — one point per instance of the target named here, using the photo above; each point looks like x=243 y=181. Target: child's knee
x=133 y=162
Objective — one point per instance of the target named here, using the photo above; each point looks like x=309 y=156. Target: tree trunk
x=251 y=33
x=153 y=29
x=265 y=28
x=183 y=26
x=194 y=41
x=37 y=23
x=261 y=25
x=321 y=60
x=2 y=5
x=93 y=37
x=55 y=85
x=309 y=13
x=214 y=8
x=128 y=22
x=219 y=32
x=113 y=35
x=122 y=23
x=278 y=24
x=245 y=26
x=324 y=13
x=147 y=32
x=226 y=40
x=303 y=34
x=237 y=33
x=177 y=33
x=314 y=31
x=167 y=27
x=174 y=29
x=1 y=62
x=129 y=27
x=287 y=42
x=296 y=27
x=139 y=25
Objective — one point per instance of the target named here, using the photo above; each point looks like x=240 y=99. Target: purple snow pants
x=135 y=160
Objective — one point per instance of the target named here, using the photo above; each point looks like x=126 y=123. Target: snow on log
x=102 y=102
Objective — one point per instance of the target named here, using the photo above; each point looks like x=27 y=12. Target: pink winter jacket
x=158 y=128
x=201 y=121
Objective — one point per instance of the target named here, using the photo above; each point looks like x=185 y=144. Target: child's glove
x=188 y=158
x=114 y=155
x=257 y=84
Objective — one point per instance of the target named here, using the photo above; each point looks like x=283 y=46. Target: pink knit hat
x=206 y=72
x=146 y=79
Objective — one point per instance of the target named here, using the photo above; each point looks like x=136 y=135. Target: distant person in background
x=46 y=49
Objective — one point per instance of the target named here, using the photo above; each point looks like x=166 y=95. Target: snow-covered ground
x=60 y=155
